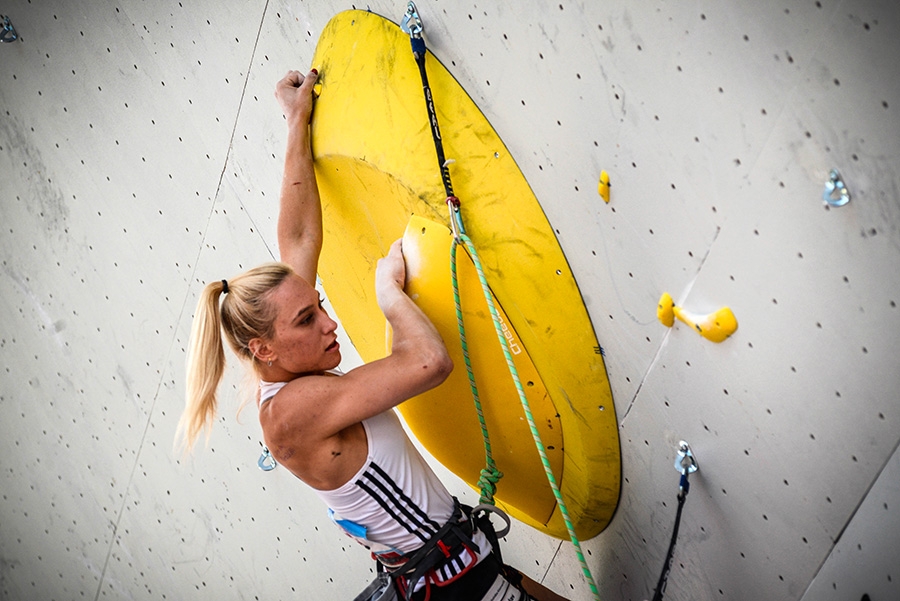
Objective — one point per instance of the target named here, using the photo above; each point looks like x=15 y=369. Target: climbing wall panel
x=868 y=540
x=142 y=149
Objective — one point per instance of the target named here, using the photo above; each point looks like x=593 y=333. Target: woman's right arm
x=320 y=407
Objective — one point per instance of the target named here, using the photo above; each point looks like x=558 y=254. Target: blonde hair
x=245 y=313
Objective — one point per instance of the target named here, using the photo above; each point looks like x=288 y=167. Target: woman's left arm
x=300 y=213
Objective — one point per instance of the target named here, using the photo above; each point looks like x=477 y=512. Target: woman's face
x=305 y=339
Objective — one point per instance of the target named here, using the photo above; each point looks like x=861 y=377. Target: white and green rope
x=490 y=474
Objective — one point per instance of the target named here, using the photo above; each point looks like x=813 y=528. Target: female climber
x=339 y=433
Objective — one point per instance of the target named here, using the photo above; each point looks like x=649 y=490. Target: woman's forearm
x=415 y=340
x=300 y=213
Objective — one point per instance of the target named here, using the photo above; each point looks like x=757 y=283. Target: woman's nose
x=330 y=324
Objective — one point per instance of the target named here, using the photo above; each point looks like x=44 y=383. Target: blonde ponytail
x=245 y=313
x=205 y=366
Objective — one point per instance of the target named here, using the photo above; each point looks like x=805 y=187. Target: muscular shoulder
x=296 y=408
x=292 y=423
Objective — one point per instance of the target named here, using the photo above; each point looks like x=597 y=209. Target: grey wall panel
x=863 y=562
x=141 y=152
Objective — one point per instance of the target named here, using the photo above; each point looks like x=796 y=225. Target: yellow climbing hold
x=603 y=186
x=715 y=326
x=665 y=310
x=375 y=167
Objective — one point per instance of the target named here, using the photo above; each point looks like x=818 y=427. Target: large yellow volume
x=376 y=167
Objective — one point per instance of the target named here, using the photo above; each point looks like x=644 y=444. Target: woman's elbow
x=439 y=365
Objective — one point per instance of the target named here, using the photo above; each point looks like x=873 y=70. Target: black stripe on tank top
x=424 y=517
x=396 y=504
x=391 y=512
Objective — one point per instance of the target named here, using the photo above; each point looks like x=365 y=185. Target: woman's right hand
x=390 y=277
x=295 y=95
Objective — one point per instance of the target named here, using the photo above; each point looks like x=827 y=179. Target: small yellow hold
x=603 y=186
x=665 y=310
x=715 y=326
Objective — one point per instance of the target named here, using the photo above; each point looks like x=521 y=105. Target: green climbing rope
x=490 y=475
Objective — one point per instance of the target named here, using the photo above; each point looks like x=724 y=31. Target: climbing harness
x=448 y=545
x=412 y=25
x=443 y=552
x=685 y=464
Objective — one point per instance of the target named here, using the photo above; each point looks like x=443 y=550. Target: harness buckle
x=469 y=565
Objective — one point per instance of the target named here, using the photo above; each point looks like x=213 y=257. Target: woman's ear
x=261 y=350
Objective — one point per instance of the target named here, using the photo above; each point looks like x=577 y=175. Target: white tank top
x=395 y=502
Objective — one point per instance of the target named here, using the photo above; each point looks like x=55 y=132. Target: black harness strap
x=448 y=543
x=440 y=550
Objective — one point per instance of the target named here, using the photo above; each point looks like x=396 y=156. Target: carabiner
x=266 y=462
x=836 y=193
x=8 y=33
x=411 y=22
x=685 y=462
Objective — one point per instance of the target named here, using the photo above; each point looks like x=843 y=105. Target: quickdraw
x=412 y=25
x=686 y=464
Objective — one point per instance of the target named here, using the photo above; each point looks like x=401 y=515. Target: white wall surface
x=140 y=157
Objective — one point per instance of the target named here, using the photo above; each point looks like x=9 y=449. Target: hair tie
x=224 y=286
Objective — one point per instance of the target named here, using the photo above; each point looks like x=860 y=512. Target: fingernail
x=315 y=71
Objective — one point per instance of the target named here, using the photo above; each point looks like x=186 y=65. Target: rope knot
x=488 y=483
x=453 y=202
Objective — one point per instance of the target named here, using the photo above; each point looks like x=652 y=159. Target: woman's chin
x=335 y=357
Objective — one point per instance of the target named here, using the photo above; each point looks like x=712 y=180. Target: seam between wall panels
x=684 y=294
x=234 y=131
x=862 y=500
x=184 y=304
x=550 y=563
